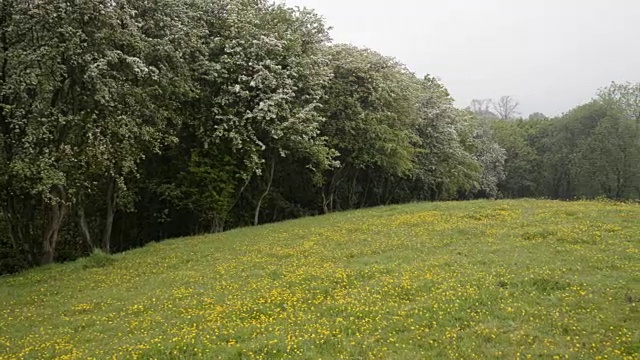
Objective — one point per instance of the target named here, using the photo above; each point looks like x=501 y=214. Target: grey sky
x=549 y=54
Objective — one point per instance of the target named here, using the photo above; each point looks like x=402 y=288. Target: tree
x=610 y=157
x=39 y=122
x=370 y=110
x=537 y=116
x=563 y=163
x=521 y=164
x=506 y=108
x=482 y=108
x=95 y=104
x=446 y=162
x=260 y=76
x=625 y=97
x=491 y=156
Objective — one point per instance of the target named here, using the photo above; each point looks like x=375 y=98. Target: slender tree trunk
x=217 y=225
x=121 y=237
x=256 y=217
x=55 y=219
x=366 y=193
x=334 y=201
x=352 y=190
x=4 y=125
x=327 y=199
x=108 y=226
x=7 y=219
x=84 y=228
x=332 y=198
x=390 y=194
x=620 y=184
x=224 y=217
x=569 y=187
x=325 y=203
x=385 y=192
x=20 y=216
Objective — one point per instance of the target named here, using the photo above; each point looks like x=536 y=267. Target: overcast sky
x=549 y=54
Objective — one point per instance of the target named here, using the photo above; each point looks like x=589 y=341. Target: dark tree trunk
x=363 y=203
x=222 y=219
x=57 y=212
x=325 y=202
x=352 y=190
x=256 y=217
x=12 y=237
x=328 y=199
x=217 y=225
x=390 y=193
x=108 y=226
x=84 y=227
x=21 y=219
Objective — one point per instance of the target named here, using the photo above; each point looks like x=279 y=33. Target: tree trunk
x=333 y=189
x=20 y=214
x=7 y=219
x=217 y=225
x=108 y=226
x=56 y=216
x=390 y=193
x=620 y=184
x=366 y=193
x=325 y=203
x=4 y=69
x=224 y=217
x=121 y=237
x=257 y=214
x=84 y=228
x=352 y=190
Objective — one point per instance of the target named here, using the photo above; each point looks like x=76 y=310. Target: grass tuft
x=97 y=260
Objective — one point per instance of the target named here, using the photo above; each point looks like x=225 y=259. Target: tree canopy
x=124 y=122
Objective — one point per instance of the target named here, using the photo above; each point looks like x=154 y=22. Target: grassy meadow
x=461 y=280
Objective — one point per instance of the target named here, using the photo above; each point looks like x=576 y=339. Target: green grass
x=482 y=279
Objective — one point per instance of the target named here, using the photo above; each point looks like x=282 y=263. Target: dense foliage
x=591 y=151
x=125 y=121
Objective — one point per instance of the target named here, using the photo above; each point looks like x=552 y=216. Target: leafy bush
x=97 y=259
x=11 y=261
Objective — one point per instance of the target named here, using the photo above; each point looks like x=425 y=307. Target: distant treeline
x=126 y=121
x=591 y=151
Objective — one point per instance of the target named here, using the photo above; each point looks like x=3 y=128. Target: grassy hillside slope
x=483 y=279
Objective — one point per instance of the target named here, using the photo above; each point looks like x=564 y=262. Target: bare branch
x=506 y=108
